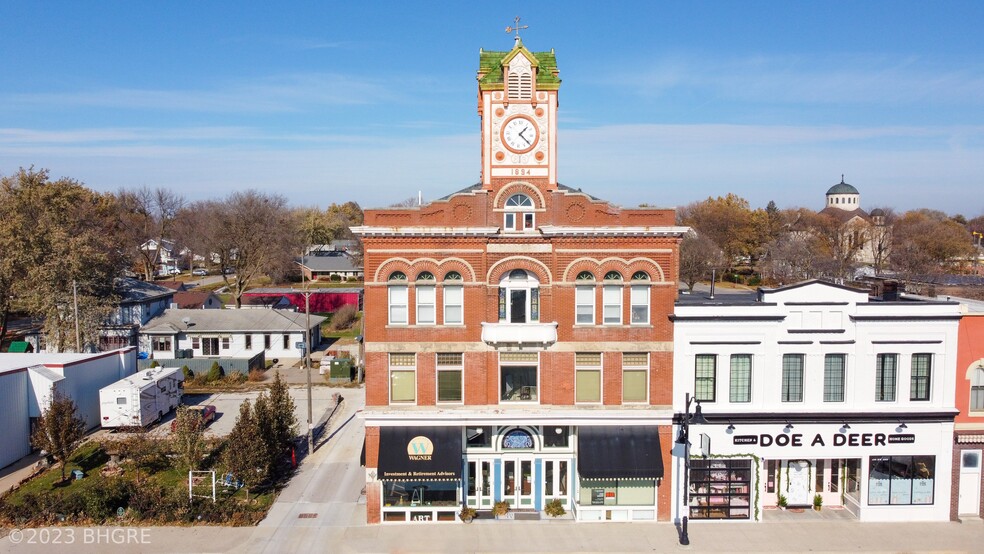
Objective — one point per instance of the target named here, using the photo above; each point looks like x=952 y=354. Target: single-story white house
x=27 y=382
x=228 y=333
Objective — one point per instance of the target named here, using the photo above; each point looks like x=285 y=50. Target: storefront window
x=420 y=493
x=901 y=480
x=617 y=492
x=720 y=489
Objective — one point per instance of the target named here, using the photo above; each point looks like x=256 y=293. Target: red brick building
x=518 y=346
x=967 y=493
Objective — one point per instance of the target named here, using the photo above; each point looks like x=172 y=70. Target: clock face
x=520 y=134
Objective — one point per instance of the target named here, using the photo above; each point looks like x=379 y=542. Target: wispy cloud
x=285 y=93
x=794 y=79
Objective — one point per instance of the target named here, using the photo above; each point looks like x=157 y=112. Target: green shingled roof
x=490 y=75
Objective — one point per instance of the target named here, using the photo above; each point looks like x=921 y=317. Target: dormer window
x=519 y=214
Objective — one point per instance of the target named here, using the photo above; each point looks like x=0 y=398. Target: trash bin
x=77 y=474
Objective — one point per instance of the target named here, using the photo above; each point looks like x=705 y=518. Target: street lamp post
x=684 y=438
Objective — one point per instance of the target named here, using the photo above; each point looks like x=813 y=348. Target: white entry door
x=970 y=483
x=799 y=483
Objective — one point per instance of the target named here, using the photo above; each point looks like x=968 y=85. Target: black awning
x=419 y=453
x=619 y=452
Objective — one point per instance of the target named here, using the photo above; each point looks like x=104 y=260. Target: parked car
x=205 y=414
x=174 y=271
x=228 y=271
x=200 y=271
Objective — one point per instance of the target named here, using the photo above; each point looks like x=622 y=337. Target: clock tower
x=517 y=101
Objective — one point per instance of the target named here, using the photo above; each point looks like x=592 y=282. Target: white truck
x=142 y=398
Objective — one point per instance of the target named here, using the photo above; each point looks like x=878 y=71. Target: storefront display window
x=478 y=437
x=901 y=480
x=420 y=493
x=555 y=437
x=617 y=492
x=720 y=489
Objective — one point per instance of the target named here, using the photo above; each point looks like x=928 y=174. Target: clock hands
x=522 y=137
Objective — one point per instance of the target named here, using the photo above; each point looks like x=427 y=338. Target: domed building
x=861 y=230
x=843 y=196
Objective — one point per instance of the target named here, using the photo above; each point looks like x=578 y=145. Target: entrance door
x=799 y=483
x=479 y=492
x=517 y=482
x=970 y=483
x=555 y=481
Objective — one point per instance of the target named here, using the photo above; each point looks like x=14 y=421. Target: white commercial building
x=27 y=382
x=816 y=390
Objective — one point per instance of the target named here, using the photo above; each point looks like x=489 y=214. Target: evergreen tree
x=247 y=463
x=283 y=421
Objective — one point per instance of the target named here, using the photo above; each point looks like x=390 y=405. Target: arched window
x=519 y=215
x=426 y=297
x=977 y=387
x=613 y=276
x=584 y=299
x=517 y=439
x=640 y=276
x=611 y=299
x=454 y=299
x=397 y=298
x=519 y=297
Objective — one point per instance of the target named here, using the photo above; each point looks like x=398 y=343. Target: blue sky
x=661 y=103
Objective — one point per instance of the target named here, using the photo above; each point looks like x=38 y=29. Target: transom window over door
x=519 y=297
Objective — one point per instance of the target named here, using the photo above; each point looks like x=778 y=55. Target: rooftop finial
x=842 y=177
x=517 y=28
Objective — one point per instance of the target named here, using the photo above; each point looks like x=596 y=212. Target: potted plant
x=554 y=508
x=817 y=502
x=781 y=501
x=467 y=514
x=500 y=508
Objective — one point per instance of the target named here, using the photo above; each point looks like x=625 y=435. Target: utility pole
x=307 y=358
x=75 y=301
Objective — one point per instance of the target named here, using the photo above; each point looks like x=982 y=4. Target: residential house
x=140 y=301
x=330 y=265
x=228 y=333
x=196 y=300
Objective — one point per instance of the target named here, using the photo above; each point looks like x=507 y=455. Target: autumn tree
x=729 y=221
x=59 y=430
x=698 y=256
x=926 y=242
x=790 y=258
x=62 y=251
x=188 y=438
x=250 y=232
x=242 y=457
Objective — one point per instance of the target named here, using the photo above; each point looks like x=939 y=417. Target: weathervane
x=517 y=27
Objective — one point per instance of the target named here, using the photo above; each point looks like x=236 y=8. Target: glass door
x=479 y=490
x=555 y=481
x=517 y=482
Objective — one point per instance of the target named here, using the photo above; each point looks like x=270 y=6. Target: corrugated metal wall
x=15 y=431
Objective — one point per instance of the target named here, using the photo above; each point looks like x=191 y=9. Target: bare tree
x=149 y=216
x=698 y=255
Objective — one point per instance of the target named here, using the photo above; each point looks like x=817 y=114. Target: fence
x=200 y=365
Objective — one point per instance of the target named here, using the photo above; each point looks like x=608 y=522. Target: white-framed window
x=886 y=374
x=792 y=377
x=454 y=299
x=450 y=366
x=161 y=344
x=426 y=299
x=403 y=377
x=584 y=299
x=397 y=298
x=249 y=342
x=225 y=342
x=635 y=377
x=920 y=377
x=705 y=377
x=611 y=300
x=834 y=375
x=518 y=376
x=519 y=214
x=587 y=377
x=741 y=378
x=639 y=304
x=977 y=388
x=519 y=297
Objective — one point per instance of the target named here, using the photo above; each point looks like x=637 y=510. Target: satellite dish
x=186 y=320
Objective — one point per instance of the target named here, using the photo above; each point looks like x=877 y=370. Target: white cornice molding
x=369 y=230
x=655 y=231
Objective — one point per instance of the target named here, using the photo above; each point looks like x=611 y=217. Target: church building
x=518 y=347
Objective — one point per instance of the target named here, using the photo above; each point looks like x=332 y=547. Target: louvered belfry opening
x=520 y=86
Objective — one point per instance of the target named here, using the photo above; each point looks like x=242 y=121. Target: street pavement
x=323 y=510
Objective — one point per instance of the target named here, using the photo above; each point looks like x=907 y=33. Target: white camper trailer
x=141 y=398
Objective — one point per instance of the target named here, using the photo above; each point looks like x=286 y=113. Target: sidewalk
x=16 y=472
